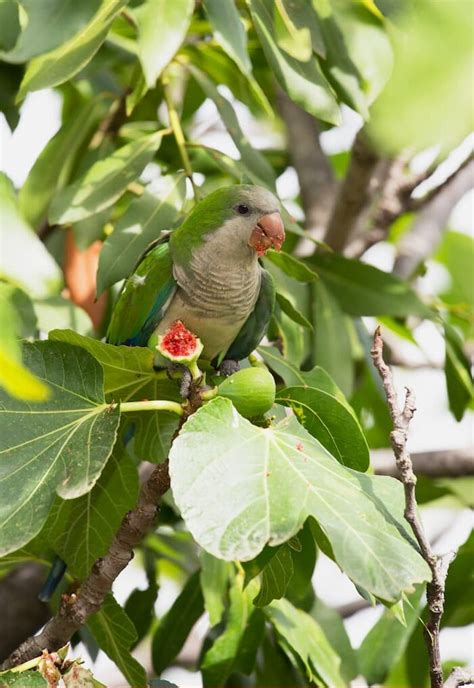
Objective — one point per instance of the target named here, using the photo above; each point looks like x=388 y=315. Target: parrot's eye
x=242 y=209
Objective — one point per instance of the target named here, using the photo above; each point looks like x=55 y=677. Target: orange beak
x=269 y=232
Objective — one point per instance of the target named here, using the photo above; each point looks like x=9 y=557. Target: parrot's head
x=259 y=221
x=234 y=222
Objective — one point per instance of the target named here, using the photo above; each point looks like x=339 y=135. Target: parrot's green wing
x=144 y=298
x=254 y=328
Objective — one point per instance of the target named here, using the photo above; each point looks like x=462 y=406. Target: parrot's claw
x=229 y=367
x=186 y=377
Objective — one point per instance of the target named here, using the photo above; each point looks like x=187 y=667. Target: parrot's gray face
x=260 y=226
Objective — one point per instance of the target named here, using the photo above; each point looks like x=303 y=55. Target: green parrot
x=206 y=274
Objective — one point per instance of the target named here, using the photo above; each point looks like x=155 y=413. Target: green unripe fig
x=251 y=390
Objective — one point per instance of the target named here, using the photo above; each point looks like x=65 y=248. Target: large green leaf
x=251 y=158
x=115 y=633
x=141 y=223
x=362 y=289
x=332 y=344
x=301 y=637
x=67 y=59
x=81 y=530
x=292 y=376
x=59 y=445
x=48 y=25
x=53 y=167
x=331 y=421
x=274 y=479
x=458 y=374
x=9 y=24
x=229 y=31
x=175 y=626
x=104 y=182
x=162 y=26
x=304 y=82
x=129 y=376
x=300 y=18
x=24 y=258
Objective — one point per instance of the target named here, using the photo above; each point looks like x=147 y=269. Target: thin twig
x=398 y=437
x=77 y=607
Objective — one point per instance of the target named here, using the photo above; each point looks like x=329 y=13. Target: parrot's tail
x=55 y=575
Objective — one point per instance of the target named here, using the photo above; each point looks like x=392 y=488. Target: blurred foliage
x=154 y=93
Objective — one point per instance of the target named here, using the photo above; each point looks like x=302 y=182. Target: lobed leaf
x=129 y=376
x=59 y=445
x=275 y=478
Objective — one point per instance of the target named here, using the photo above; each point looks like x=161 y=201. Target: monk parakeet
x=207 y=275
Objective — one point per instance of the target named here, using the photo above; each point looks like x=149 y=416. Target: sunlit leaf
x=24 y=258
x=59 y=445
x=53 y=167
x=275 y=478
x=304 y=82
x=129 y=376
x=229 y=31
x=301 y=636
x=68 y=58
x=331 y=421
x=104 y=182
x=250 y=156
x=141 y=224
x=162 y=26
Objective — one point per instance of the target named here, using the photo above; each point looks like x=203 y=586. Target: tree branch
x=398 y=437
x=77 y=607
x=449 y=463
x=424 y=236
x=353 y=195
x=315 y=176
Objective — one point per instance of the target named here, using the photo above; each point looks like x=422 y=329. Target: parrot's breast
x=214 y=303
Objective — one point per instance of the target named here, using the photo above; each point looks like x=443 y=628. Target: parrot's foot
x=175 y=369
x=229 y=367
